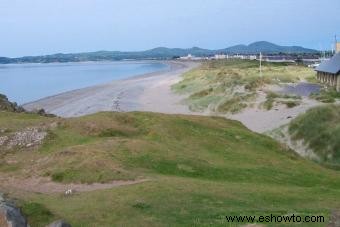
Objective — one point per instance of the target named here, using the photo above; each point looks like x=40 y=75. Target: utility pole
x=335 y=44
x=260 y=64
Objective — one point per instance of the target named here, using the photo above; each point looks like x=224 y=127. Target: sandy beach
x=149 y=92
x=152 y=92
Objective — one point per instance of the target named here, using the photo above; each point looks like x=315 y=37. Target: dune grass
x=200 y=170
x=218 y=84
x=327 y=95
x=273 y=98
x=320 y=129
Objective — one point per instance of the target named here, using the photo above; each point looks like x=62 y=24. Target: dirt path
x=46 y=186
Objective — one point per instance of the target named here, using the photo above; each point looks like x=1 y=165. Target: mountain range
x=161 y=53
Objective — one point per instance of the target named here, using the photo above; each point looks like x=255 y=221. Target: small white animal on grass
x=68 y=192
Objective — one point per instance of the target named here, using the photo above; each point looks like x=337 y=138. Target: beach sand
x=149 y=92
x=152 y=93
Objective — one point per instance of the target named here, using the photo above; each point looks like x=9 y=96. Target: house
x=188 y=57
x=220 y=56
x=329 y=72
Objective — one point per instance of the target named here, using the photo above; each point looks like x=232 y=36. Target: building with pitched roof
x=329 y=71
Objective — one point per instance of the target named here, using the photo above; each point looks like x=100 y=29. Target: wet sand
x=149 y=92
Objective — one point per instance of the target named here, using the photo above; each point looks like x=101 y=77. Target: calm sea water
x=24 y=83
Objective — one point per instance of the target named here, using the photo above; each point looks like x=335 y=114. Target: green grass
x=235 y=104
x=320 y=129
x=13 y=122
x=200 y=169
x=274 y=98
x=37 y=213
x=217 y=84
x=327 y=95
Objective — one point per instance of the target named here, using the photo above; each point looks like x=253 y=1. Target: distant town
x=311 y=60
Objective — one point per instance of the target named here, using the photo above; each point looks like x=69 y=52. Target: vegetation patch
x=37 y=214
x=6 y=105
x=217 y=84
x=327 y=95
x=141 y=205
x=320 y=129
x=273 y=98
x=235 y=104
x=291 y=104
x=217 y=166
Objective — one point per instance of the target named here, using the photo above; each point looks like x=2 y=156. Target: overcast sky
x=34 y=27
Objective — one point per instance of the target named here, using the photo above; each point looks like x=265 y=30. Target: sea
x=24 y=83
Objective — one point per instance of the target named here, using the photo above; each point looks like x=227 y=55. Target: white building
x=189 y=57
x=220 y=56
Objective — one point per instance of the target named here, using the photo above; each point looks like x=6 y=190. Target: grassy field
x=320 y=129
x=228 y=86
x=200 y=169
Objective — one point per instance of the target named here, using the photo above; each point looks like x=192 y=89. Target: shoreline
x=151 y=92
x=136 y=93
x=100 y=84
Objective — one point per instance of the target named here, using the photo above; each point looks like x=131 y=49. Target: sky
x=38 y=27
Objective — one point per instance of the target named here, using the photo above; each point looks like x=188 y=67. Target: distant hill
x=267 y=48
x=160 y=53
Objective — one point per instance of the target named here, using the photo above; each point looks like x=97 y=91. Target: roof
x=331 y=66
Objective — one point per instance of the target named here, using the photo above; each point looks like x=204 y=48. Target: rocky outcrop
x=6 y=105
x=10 y=216
x=60 y=223
x=29 y=137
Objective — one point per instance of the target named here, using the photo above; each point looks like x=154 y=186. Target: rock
x=10 y=216
x=335 y=219
x=3 y=140
x=59 y=223
x=53 y=125
x=27 y=138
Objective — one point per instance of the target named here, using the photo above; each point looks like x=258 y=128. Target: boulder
x=59 y=223
x=11 y=216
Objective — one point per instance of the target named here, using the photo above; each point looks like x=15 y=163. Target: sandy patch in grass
x=46 y=186
x=260 y=120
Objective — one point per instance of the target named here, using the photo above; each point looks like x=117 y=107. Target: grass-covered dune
x=319 y=128
x=228 y=86
x=199 y=170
